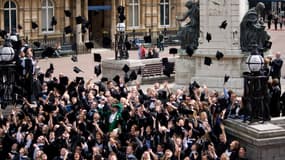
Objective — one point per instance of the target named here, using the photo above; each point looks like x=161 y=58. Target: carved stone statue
x=252 y=29
x=189 y=34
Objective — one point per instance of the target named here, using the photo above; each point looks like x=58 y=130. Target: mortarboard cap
x=53 y=21
x=67 y=13
x=89 y=45
x=74 y=58
x=60 y=88
x=189 y=51
x=173 y=51
x=20 y=27
x=162 y=95
x=79 y=80
x=164 y=61
x=79 y=19
x=219 y=55
x=37 y=44
x=224 y=24
x=51 y=66
x=207 y=61
x=139 y=71
x=196 y=84
x=76 y=69
x=97 y=70
x=34 y=25
x=168 y=69
x=63 y=80
x=121 y=9
x=97 y=57
x=133 y=76
x=48 y=73
x=208 y=37
x=67 y=29
x=126 y=68
x=117 y=105
x=226 y=78
x=117 y=79
x=104 y=79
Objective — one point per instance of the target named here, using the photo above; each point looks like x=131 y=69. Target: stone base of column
x=189 y=69
x=262 y=141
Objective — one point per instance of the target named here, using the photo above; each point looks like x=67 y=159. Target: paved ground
x=86 y=63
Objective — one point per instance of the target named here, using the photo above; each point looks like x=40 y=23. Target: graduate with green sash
x=115 y=116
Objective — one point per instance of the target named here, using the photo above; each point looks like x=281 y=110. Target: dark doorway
x=100 y=25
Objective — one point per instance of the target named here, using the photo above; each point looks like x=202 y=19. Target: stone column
x=113 y=21
x=78 y=26
x=212 y=14
x=142 y=13
x=20 y=13
x=86 y=35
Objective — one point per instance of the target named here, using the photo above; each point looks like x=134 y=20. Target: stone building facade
x=142 y=17
x=15 y=13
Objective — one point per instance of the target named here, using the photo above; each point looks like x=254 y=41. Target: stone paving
x=86 y=63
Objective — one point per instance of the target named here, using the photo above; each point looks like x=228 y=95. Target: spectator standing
x=280 y=19
x=275 y=21
x=161 y=42
x=276 y=65
x=269 y=20
x=275 y=99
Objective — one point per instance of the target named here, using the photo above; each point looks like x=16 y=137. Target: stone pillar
x=78 y=26
x=113 y=21
x=212 y=14
x=143 y=13
x=86 y=35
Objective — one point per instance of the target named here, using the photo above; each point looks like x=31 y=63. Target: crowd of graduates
x=55 y=117
x=60 y=118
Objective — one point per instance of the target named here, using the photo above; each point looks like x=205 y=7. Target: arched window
x=164 y=12
x=10 y=16
x=133 y=13
x=47 y=14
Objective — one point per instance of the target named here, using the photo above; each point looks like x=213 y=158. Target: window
x=164 y=12
x=133 y=13
x=47 y=14
x=10 y=16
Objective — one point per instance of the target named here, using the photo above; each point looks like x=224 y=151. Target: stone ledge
x=256 y=134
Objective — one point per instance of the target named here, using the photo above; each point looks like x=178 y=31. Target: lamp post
x=121 y=37
x=256 y=89
x=120 y=42
x=7 y=73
